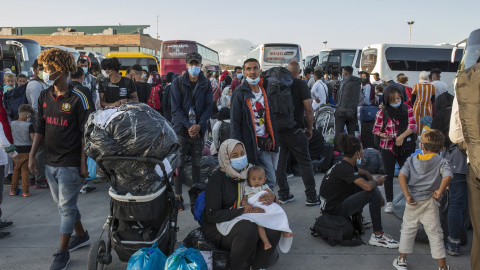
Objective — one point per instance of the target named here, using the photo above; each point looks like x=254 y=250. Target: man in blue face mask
x=89 y=79
x=237 y=80
x=191 y=104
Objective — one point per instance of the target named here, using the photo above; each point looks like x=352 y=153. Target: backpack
x=224 y=132
x=336 y=230
x=199 y=208
x=154 y=99
x=167 y=107
x=279 y=93
x=13 y=99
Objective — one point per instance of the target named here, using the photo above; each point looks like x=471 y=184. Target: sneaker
x=5 y=224
x=4 y=235
x=400 y=263
x=388 y=207
x=26 y=194
x=87 y=189
x=286 y=198
x=41 y=185
x=312 y=200
x=179 y=203
x=452 y=247
x=13 y=193
x=383 y=241
x=62 y=258
x=77 y=242
x=441 y=268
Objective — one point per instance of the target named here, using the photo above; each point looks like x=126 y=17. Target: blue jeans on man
x=458 y=195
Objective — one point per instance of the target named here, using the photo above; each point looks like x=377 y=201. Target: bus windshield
x=177 y=50
x=369 y=60
x=275 y=54
x=148 y=64
x=13 y=56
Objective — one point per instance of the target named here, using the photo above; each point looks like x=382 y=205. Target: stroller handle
x=156 y=161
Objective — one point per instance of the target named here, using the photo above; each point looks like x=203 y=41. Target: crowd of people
x=254 y=129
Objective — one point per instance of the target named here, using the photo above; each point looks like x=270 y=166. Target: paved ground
x=36 y=236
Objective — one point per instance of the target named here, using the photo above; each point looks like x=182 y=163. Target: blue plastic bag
x=147 y=259
x=186 y=259
x=199 y=208
x=92 y=169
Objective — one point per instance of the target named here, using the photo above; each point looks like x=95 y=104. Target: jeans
x=265 y=161
x=458 y=196
x=2 y=173
x=340 y=123
x=295 y=141
x=65 y=184
x=196 y=148
x=389 y=161
x=357 y=201
x=21 y=170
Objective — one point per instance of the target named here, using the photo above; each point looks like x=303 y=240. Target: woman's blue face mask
x=396 y=105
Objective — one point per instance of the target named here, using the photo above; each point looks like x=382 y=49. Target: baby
x=9 y=82
x=256 y=183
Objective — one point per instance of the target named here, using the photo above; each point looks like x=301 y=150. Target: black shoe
x=62 y=258
x=77 y=242
x=286 y=198
x=179 y=203
x=8 y=180
x=5 y=224
x=4 y=235
x=312 y=200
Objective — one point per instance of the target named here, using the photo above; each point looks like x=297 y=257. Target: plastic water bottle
x=192 y=117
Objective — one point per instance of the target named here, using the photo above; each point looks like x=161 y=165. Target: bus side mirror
x=453 y=54
x=22 y=48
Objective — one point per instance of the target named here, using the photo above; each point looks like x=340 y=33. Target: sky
x=234 y=27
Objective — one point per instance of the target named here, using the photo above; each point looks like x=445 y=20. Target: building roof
x=48 y=30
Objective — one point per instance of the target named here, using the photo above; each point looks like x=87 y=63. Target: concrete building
x=104 y=39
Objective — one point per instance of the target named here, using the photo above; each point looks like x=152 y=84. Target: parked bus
x=310 y=61
x=331 y=59
x=128 y=59
x=391 y=59
x=18 y=54
x=174 y=52
x=277 y=55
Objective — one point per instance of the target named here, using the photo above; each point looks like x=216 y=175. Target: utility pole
x=325 y=44
x=157 y=28
x=410 y=32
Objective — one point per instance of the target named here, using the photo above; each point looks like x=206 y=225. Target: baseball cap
x=194 y=56
x=387 y=78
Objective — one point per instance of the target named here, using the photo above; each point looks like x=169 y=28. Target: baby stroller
x=135 y=222
x=324 y=120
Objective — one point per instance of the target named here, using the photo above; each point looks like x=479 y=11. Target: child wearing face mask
x=23 y=134
x=256 y=183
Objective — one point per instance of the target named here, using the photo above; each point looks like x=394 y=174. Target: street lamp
x=325 y=44
x=410 y=31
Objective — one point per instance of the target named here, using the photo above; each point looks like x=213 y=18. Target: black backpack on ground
x=336 y=230
x=224 y=133
x=327 y=159
x=280 y=98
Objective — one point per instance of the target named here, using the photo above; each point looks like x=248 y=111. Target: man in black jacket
x=251 y=120
x=347 y=101
x=192 y=90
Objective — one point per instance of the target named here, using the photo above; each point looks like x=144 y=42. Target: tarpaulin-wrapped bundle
x=134 y=130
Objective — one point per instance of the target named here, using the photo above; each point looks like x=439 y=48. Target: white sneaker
x=388 y=207
x=385 y=241
x=441 y=268
x=400 y=263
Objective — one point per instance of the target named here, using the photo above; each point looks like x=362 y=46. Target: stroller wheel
x=97 y=257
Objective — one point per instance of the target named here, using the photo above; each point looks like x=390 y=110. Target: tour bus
x=127 y=59
x=331 y=59
x=310 y=61
x=18 y=54
x=277 y=54
x=391 y=59
x=174 y=53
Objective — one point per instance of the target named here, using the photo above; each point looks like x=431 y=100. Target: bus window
x=357 y=63
x=369 y=60
x=347 y=58
x=419 y=59
x=281 y=54
x=177 y=50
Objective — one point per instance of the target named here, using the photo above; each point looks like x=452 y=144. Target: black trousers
x=340 y=123
x=246 y=247
x=295 y=142
x=196 y=148
x=389 y=161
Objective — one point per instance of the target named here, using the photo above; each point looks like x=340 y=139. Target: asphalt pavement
x=35 y=235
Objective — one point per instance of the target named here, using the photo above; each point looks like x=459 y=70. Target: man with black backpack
x=191 y=101
x=292 y=133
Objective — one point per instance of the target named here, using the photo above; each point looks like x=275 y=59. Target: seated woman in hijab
x=223 y=196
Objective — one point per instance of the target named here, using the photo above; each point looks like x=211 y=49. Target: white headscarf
x=224 y=153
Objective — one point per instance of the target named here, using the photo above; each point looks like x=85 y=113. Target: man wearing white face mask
x=191 y=101
x=89 y=79
x=252 y=122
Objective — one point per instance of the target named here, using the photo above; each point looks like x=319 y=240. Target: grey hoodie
x=425 y=176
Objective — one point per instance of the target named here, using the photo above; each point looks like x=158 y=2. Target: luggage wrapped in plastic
x=134 y=130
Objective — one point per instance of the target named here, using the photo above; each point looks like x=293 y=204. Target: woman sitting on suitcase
x=223 y=204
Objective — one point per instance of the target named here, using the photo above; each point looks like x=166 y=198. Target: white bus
x=331 y=59
x=391 y=59
x=277 y=55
